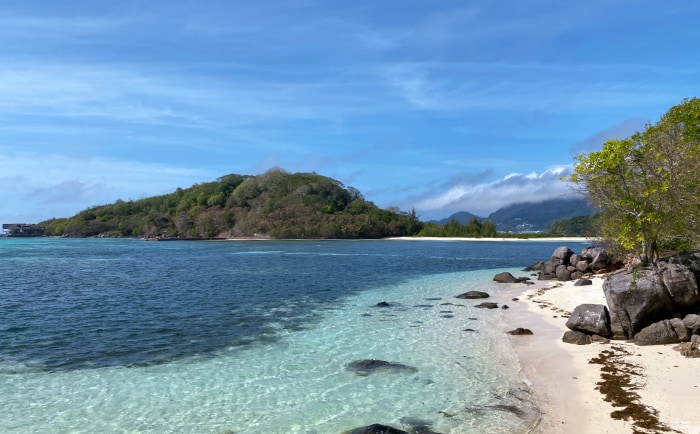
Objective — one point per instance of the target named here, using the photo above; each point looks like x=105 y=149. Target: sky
x=437 y=106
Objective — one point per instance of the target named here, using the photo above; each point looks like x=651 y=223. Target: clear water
x=127 y=336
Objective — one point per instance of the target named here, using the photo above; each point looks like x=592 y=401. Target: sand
x=564 y=383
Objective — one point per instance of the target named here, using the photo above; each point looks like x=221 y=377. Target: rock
x=600 y=261
x=692 y=323
x=505 y=306
x=681 y=284
x=487 y=305
x=576 y=338
x=590 y=319
x=635 y=300
x=372 y=366
x=382 y=304
x=561 y=256
x=375 y=428
x=576 y=275
x=658 y=333
x=583 y=282
x=680 y=329
x=599 y=339
x=473 y=294
x=537 y=266
x=582 y=266
x=563 y=274
x=520 y=332
x=506 y=277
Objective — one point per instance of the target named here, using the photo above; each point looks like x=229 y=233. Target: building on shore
x=22 y=230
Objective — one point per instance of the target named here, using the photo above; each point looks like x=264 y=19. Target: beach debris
x=520 y=332
x=620 y=379
x=473 y=295
x=590 y=318
x=487 y=305
x=374 y=366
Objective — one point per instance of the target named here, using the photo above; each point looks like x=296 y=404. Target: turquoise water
x=253 y=337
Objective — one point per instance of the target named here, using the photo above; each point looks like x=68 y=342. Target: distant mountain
x=462 y=217
x=538 y=216
x=529 y=216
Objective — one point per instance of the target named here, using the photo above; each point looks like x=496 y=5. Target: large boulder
x=636 y=299
x=590 y=318
x=692 y=322
x=681 y=284
x=662 y=333
x=561 y=256
x=563 y=273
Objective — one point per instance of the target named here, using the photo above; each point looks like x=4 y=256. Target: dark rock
x=520 y=332
x=635 y=300
x=680 y=283
x=599 y=339
x=576 y=275
x=576 y=338
x=692 y=323
x=382 y=304
x=658 y=333
x=506 y=277
x=561 y=256
x=583 y=282
x=562 y=272
x=582 y=266
x=537 y=266
x=375 y=428
x=590 y=318
x=469 y=330
x=487 y=305
x=515 y=299
x=372 y=366
x=473 y=294
x=505 y=306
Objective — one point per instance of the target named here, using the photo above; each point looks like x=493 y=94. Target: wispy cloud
x=482 y=198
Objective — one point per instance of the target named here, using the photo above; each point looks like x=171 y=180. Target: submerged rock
x=372 y=366
x=487 y=305
x=473 y=294
x=375 y=428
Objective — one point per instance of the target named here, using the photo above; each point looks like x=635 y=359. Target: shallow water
x=254 y=337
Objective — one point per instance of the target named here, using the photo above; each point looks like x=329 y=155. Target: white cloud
x=484 y=198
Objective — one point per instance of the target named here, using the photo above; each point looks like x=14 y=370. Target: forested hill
x=276 y=204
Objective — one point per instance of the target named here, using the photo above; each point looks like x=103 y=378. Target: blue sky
x=441 y=106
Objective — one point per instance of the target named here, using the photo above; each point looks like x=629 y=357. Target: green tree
x=646 y=185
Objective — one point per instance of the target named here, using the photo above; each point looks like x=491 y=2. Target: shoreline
x=564 y=383
x=547 y=239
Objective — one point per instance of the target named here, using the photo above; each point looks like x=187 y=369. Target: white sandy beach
x=564 y=382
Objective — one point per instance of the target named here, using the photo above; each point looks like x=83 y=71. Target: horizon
x=439 y=108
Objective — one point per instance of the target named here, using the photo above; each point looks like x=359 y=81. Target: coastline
x=548 y=239
x=564 y=383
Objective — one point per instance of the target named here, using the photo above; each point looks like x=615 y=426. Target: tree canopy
x=646 y=185
x=276 y=204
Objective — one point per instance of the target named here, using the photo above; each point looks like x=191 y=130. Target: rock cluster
x=566 y=265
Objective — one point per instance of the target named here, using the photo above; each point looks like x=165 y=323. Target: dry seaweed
x=618 y=386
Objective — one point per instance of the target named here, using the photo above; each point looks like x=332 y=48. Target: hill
x=276 y=204
x=462 y=217
x=539 y=216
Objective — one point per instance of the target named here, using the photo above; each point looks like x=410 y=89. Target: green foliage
x=646 y=185
x=575 y=226
x=276 y=204
x=475 y=228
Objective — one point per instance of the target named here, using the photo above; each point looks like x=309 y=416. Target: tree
x=646 y=185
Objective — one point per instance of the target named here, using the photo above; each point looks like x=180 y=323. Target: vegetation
x=276 y=204
x=646 y=185
x=580 y=226
x=476 y=228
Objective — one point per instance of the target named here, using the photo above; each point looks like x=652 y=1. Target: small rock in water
x=383 y=304
x=505 y=306
x=487 y=305
x=372 y=366
x=473 y=294
x=375 y=428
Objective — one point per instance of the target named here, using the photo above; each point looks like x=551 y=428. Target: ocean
x=130 y=336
